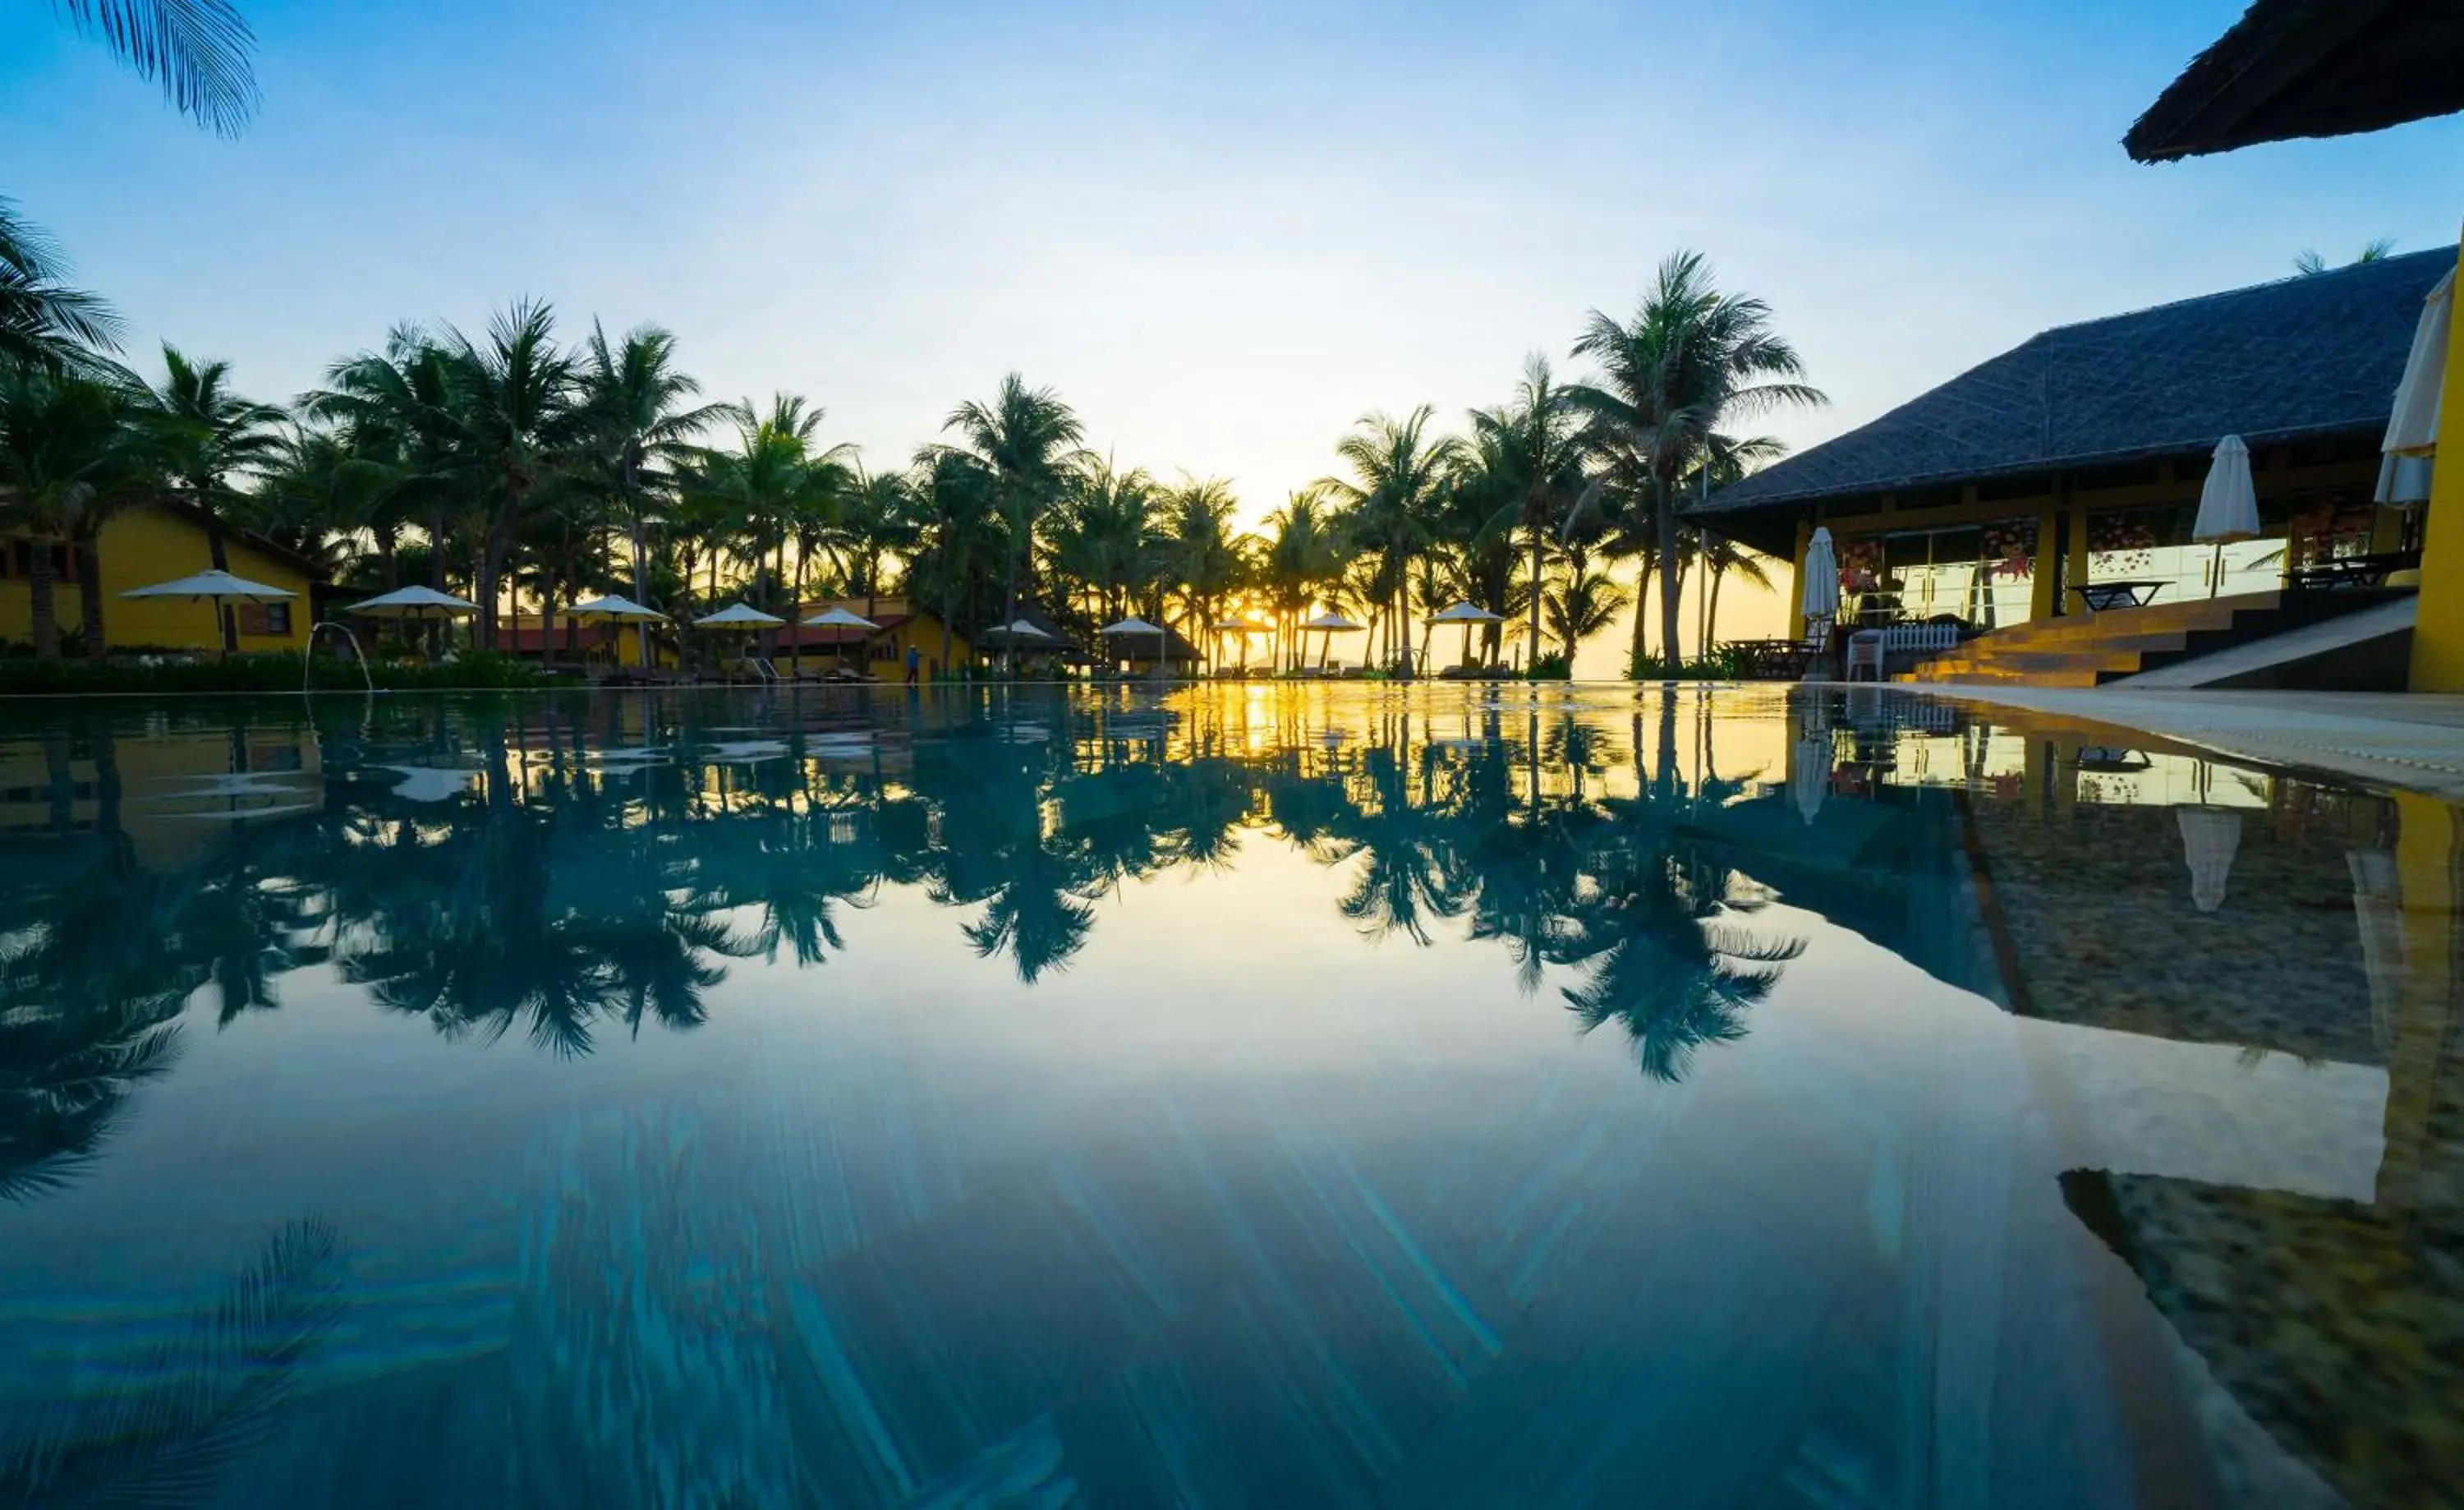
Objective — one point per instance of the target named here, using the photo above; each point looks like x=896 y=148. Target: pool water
x=1285 y=1097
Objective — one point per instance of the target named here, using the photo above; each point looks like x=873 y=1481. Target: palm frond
x=197 y=50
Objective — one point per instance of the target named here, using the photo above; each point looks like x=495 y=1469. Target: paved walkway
x=2387 y=738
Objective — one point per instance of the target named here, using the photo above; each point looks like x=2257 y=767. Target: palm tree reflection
x=597 y=874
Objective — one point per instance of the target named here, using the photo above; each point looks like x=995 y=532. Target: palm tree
x=638 y=403
x=775 y=483
x=43 y=321
x=515 y=399
x=2309 y=263
x=1304 y=554
x=1399 y=474
x=1691 y=359
x=208 y=435
x=197 y=50
x=1531 y=454
x=1586 y=603
x=958 y=533
x=69 y=457
x=1025 y=438
x=1200 y=546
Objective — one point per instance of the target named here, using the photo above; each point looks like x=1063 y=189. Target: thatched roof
x=2296 y=68
x=2305 y=357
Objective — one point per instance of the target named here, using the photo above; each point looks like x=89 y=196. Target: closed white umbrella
x=216 y=587
x=1821 y=600
x=2227 y=505
x=2210 y=837
x=740 y=615
x=2412 y=427
x=1808 y=776
x=2411 y=440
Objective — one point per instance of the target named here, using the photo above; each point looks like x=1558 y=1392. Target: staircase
x=2087 y=649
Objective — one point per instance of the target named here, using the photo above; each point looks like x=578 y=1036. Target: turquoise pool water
x=1333 y=1096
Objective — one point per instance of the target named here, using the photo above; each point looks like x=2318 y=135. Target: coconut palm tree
x=515 y=397
x=1201 y=547
x=1582 y=605
x=1026 y=439
x=69 y=457
x=1399 y=475
x=209 y=436
x=197 y=50
x=643 y=421
x=43 y=321
x=1531 y=454
x=1304 y=555
x=1691 y=359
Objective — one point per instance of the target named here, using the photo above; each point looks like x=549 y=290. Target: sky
x=1222 y=231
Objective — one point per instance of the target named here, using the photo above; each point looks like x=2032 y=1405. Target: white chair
x=1867 y=648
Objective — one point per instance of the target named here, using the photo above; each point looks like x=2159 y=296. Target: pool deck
x=2391 y=738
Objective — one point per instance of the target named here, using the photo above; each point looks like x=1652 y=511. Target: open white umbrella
x=412 y=603
x=840 y=618
x=1467 y=614
x=1134 y=625
x=216 y=587
x=419 y=605
x=611 y=606
x=1821 y=600
x=1331 y=623
x=738 y=615
x=2227 y=505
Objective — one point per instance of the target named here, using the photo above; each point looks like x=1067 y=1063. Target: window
x=17 y=561
x=265 y=620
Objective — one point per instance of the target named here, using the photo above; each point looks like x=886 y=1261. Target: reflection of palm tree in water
x=165 y=1425
x=1661 y=959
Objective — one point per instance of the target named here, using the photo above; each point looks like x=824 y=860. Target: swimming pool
x=1245 y=1096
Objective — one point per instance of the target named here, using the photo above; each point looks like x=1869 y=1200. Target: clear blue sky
x=1221 y=231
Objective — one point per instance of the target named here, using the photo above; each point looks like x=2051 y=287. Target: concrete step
x=2006 y=676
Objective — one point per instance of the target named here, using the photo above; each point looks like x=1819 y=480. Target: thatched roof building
x=2304 y=360
x=2310 y=68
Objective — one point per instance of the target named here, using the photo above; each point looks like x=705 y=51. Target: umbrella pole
x=2216 y=570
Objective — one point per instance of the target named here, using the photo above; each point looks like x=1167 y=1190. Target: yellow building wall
x=139 y=548
x=2438 y=633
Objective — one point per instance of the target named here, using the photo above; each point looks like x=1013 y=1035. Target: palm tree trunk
x=1641 y=646
x=1537 y=540
x=1711 y=614
x=89 y=575
x=1670 y=581
x=39 y=584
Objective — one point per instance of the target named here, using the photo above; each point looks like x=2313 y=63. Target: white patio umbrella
x=2210 y=837
x=1331 y=623
x=738 y=615
x=1134 y=625
x=1241 y=627
x=412 y=603
x=215 y=587
x=611 y=606
x=835 y=617
x=1821 y=600
x=2227 y=505
x=607 y=609
x=1467 y=614
x=419 y=605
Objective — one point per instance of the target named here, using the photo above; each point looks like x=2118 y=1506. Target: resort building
x=159 y=542
x=904 y=626
x=2075 y=458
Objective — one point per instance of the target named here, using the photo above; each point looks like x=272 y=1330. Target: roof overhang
x=2310 y=68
